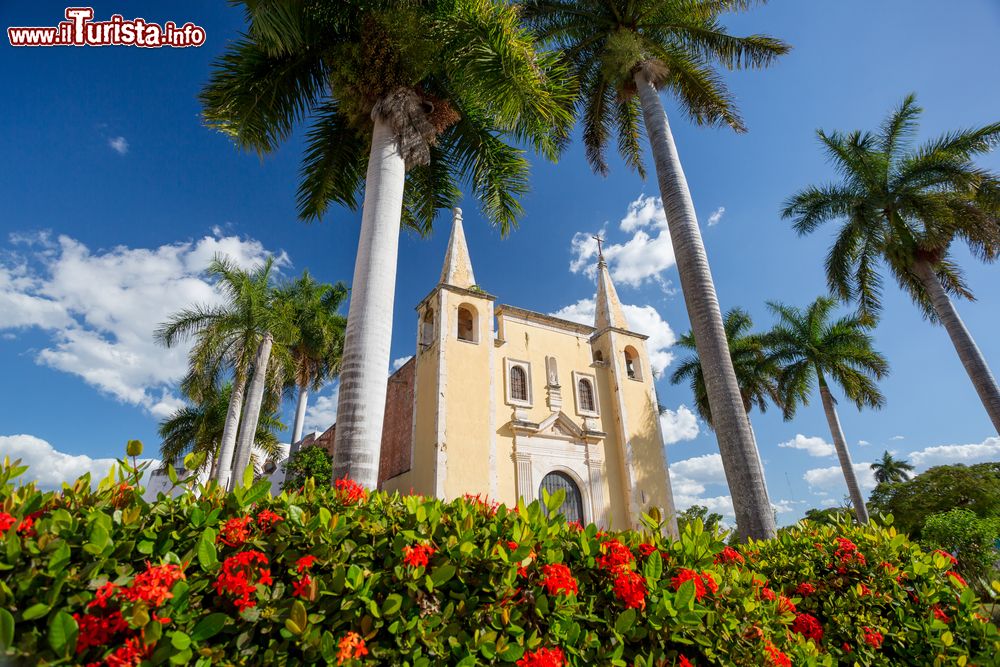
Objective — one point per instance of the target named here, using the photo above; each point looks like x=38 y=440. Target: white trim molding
x=526 y=367
x=577 y=377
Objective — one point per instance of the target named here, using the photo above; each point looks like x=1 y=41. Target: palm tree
x=198 y=427
x=813 y=349
x=756 y=371
x=891 y=470
x=318 y=339
x=623 y=53
x=226 y=339
x=905 y=207
x=406 y=99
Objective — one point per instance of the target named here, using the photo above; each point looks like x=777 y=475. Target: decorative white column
x=596 y=484
x=525 y=483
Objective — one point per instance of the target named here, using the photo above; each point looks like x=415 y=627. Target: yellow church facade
x=505 y=402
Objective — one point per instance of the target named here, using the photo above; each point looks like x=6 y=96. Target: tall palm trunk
x=251 y=413
x=740 y=459
x=223 y=470
x=840 y=444
x=973 y=360
x=365 y=370
x=300 y=418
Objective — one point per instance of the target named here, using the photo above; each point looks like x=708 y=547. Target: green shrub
x=337 y=576
x=971 y=539
x=313 y=461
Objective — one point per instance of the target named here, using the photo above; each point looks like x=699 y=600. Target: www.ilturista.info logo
x=79 y=29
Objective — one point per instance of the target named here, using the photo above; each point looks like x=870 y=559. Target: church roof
x=457 y=269
x=542 y=318
x=608 y=310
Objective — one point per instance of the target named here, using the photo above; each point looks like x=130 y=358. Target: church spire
x=609 y=308
x=457 y=264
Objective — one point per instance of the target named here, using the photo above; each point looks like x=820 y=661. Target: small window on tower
x=518 y=383
x=427 y=329
x=632 y=363
x=587 y=403
x=466 y=324
x=598 y=356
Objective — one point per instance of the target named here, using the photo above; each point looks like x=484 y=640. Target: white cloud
x=815 y=445
x=638 y=260
x=641 y=319
x=716 y=216
x=832 y=478
x=863 y=443
x=786 y=506
x=322 y=410
x=399 y=363
x=118 y=145
x=898 y=437
x=50 y=467
x=689 y=481
x=101 y=308
x=987 y=450
x=678 y=425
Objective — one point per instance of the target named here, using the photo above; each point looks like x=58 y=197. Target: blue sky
x=113 y=196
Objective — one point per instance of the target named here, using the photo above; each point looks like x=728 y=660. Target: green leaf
x=248 y=477
x=298 y=614
x=209 y=626
x=180 y=640
x=392 y=604
x=653 y=567
x=625 y=621
x=99 y=538
x=555 y=501
x=6 y=629
x=171 y=474
x=60 y=558
x=62 y=632
x=443 y=574
x=258 y=491
x=685 y=594
x=35 y=611
x=208 y=556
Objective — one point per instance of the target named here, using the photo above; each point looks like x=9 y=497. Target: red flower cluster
x=122 y=495
x=729 y=556
x=98 y=630
x=557 y=578
x=482 y=503
x=418 y=555
x=785 y=606
x=777 y=658
x=543 y=657
x=350 y=647
x=682 y=661
x=767 y=594
x=266 y=520
x=805 y=589
x=6 y=521
x=153 y=586
x=647 y=549
x=304 y=563
x=131 y=654
x=940 y=615
x=703 y=582
x=614 y=555
x=808 y=626
x=235 y=531
x=630 y=588
x=27 y=525
x=241 y=573
x=874 y=638
x=302 y=587
x=349 y=491
x=847 y=553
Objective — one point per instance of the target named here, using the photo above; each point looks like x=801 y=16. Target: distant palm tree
x=891 y=469
x=198 y=427
x=904 y=207
x=813 y=349
x=406 y=100
x=318 y=339
x=756 y=371
x=624 y=53
x=227 y=339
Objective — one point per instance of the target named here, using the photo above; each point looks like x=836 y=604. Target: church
x=505 y=402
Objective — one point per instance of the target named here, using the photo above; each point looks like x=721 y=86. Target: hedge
x=336 y=575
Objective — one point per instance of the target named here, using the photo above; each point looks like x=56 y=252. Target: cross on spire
x=600 y=252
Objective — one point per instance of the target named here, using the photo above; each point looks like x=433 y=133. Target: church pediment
x=558 y=426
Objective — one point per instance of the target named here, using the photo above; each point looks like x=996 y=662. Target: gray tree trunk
x=364 y=372
x=754 y=517
x=227 y=448
x=840 y=444
x=300 y=419
x=251 y=413
x=973 y=360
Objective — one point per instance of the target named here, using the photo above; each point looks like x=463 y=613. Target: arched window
x=518 y=383
x=587 y=402
x=572 y=507
x=632 y=368
x=466 y=324
x=427 y=329
x=598 y=356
